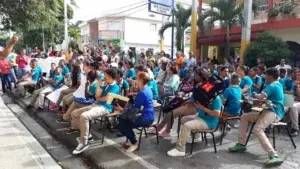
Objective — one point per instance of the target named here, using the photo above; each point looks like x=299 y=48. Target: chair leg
x=273 y=132
x=205 y=138
x=250 y=132
x=193 y=141
x=140 y=138
x=287 y=130
x=202 y=138
x=145 y=132
x=179 y=125
x=214 y=141
x=156 y=133
x=103 y=135
x=223 y=132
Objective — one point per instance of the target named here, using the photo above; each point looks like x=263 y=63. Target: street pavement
x=153 y=156
x=18 y=148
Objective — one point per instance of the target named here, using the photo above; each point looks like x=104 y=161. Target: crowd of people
x=90 y=78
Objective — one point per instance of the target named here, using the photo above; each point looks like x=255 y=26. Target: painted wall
x=291 y=34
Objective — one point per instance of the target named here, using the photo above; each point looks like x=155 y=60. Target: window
x=153 y=27
x=115 y=25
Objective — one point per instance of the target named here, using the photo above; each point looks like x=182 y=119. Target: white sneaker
x=80 y=148
x=90 y=140
x=175 y=153
x=132 y=148
x=196 y=140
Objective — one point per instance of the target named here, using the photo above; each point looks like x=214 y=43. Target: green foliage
x=73 y=44
x=29 y=17
x=274 y=12
x=181 y=22
x=271 y=48
x=287 y=8
x=229 y=12
x=74 y=33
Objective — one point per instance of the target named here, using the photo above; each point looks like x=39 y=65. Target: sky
x=88 y=9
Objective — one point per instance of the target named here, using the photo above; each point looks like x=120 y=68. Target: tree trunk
x=227 y=45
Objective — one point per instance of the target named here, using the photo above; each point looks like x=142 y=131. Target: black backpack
x=207 y=92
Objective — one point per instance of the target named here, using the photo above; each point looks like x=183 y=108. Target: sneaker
x=196 y=140
x=273 y=161
x=132 y=148
x=60 y=113
x=175 y=153
x=126 y=145
x=90 y=140
x=238 y=148
x=165 y=134
x=80 y=148
x=71 y=131
x=29 y=107
x=61 y=120
x=227 y=130
x=151 y=131
x=294 y=133
x=53 y=107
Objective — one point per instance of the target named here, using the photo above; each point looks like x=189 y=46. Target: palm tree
x=228 y=12
x=74 y=33
x=181 y=22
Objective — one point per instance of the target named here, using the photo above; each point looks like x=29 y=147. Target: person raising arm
x=9 y=48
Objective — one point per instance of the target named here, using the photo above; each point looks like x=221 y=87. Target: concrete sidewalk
x=18 y=148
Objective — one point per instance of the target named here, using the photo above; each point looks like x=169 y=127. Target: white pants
x=39 y=95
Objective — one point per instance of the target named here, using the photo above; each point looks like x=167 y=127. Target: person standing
x=283 y=65
x=22 y=60
x=179 y=60
x=191 y=60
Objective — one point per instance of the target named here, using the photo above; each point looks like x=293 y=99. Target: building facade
x=284 y=26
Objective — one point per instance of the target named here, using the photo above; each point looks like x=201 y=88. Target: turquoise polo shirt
x=93 y=88
x=246 y=81
x=154 y=88
x=58 y=80
x=65 y=70
x=112 y=88
x=101 y=76
x=36 y=73
x=211 y=121
x=275 y=94
x=233 y=95
x=130 y=74
x=282 y=82
x=258 y=81
x=288 y=83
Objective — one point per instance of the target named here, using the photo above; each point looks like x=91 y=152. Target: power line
x=123 y=7
x=125 y=15
x=125 y=10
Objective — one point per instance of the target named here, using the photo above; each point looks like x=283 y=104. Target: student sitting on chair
x=39 y=95
x=82 y=116
x=75 y=77
x=35 y=74
x=142 y=101
x=124 y=85
x=232 y=97
x=208 y=118
x=273 y=92
x=90 y=91
x=246 y=81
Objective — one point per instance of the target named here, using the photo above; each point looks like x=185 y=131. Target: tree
x=269 y=47
x=181 y=22
x=31 y=17
x=228 y=12
x=74 y=33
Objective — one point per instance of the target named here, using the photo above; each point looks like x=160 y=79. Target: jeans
x=5 y=80
x=21 y=73
x=126 y=127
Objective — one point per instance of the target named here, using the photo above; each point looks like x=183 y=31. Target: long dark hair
x=76 y=70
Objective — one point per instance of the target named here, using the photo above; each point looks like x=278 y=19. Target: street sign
x=163 y=7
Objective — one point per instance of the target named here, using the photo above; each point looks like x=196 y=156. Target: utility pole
x=193 y=38
x=44 y=46
x=172 y=34
x=246 y=31
x=66 y=40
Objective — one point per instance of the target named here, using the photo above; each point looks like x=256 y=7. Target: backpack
x=207 y=92
x=173 y=104
x=185 y=87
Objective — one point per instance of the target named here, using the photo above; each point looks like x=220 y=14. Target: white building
x=136 y=29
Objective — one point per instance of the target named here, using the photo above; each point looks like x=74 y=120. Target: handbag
x=131 y=114
x=82 y=100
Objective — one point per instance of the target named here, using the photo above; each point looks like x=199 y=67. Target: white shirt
x=283 y=67
x=114 y=59
x=190 y=62
x=81 y=89
x=105 y=58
